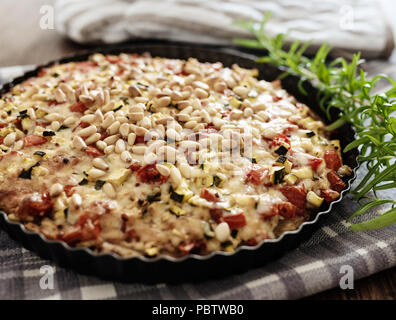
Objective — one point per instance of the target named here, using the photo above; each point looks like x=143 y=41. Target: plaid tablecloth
x=315 y=266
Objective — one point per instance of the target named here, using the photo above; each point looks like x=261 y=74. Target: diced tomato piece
x=186 y=247
x=103 y=134
x=86 y=228
x=194 y=246
x=286 y=209
x=329 y=195
x=69 y=190
x=3 y=124
x=78 y=107
x=42 y=72
x=131 y=235
x=93 y=152
x=34 y=140
x=210 y=196
x=257 y=175
x=295 y=195
x=280 y=139
x=113 y=60
x=335 y=181
x=35 y=205
x=150 y=174
x=216 y=214
x=53 y=103
x=315 y=163
x=2 y=140
x=139 y=139
x=332 y=159
x=42 y=123
x=276 y=98
x=251 y=242
x=175 y=68
x=135 y=166
x=84 y=124
x=235 y=221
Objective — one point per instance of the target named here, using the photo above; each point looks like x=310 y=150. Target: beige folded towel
x=350 y=25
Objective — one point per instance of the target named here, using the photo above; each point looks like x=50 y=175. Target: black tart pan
x=192 y=267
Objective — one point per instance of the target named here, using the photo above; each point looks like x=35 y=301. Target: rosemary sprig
x=345 y=86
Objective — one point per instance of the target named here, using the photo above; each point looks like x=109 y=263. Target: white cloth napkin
x=351 y=25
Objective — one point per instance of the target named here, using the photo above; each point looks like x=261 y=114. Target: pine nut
x=70 y=121
x=190 y=145
x=93 y=138
x=163 y=102
x=248 y=112
x=172 y=134
x=99 y=116
x=140 y=131
x=139 y=149
x=18 y=145
x=150 y=158
x=201 y=85
x=185 y=170
x=109 y=149
x=136 y=116
x=126 y=156
x=101 y=144
x=236 y=114
x=175 y=177
x=114 y=128
x=87 y=100
x=164 y=120
x=155 y=145
x=163 y=170
x=168 y=152
x=220 y=86
x=10 y=139
x=137 y=108
x=124 y=129
x=31 y=113
x=190 y=124
x=201 y=94
x=146 y=123
x=95 y=173
x=222 y=232
x=60 y=97
x=55 y=190
x=134 y=91
x=99 y=97
x=88 y=118
x=88 y=131
x=109 y=190
x=108 y=121
x=100 y=164
x=68 y=91
x=111 y=139
x=241 y=91
x=79 y=143
x=119 y=146
x=131 y=138
x=55 y=125
x=122 y=119
x=53 y=117
x=76 y=200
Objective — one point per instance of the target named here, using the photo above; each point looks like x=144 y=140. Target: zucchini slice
x=281 y=150
x=314 y=199
x=277 y=175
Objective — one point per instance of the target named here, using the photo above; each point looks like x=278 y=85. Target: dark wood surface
x=23 y=42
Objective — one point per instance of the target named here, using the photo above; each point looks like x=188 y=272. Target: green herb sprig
x=345 y=86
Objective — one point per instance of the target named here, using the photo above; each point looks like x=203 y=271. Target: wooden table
x=23 y=42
